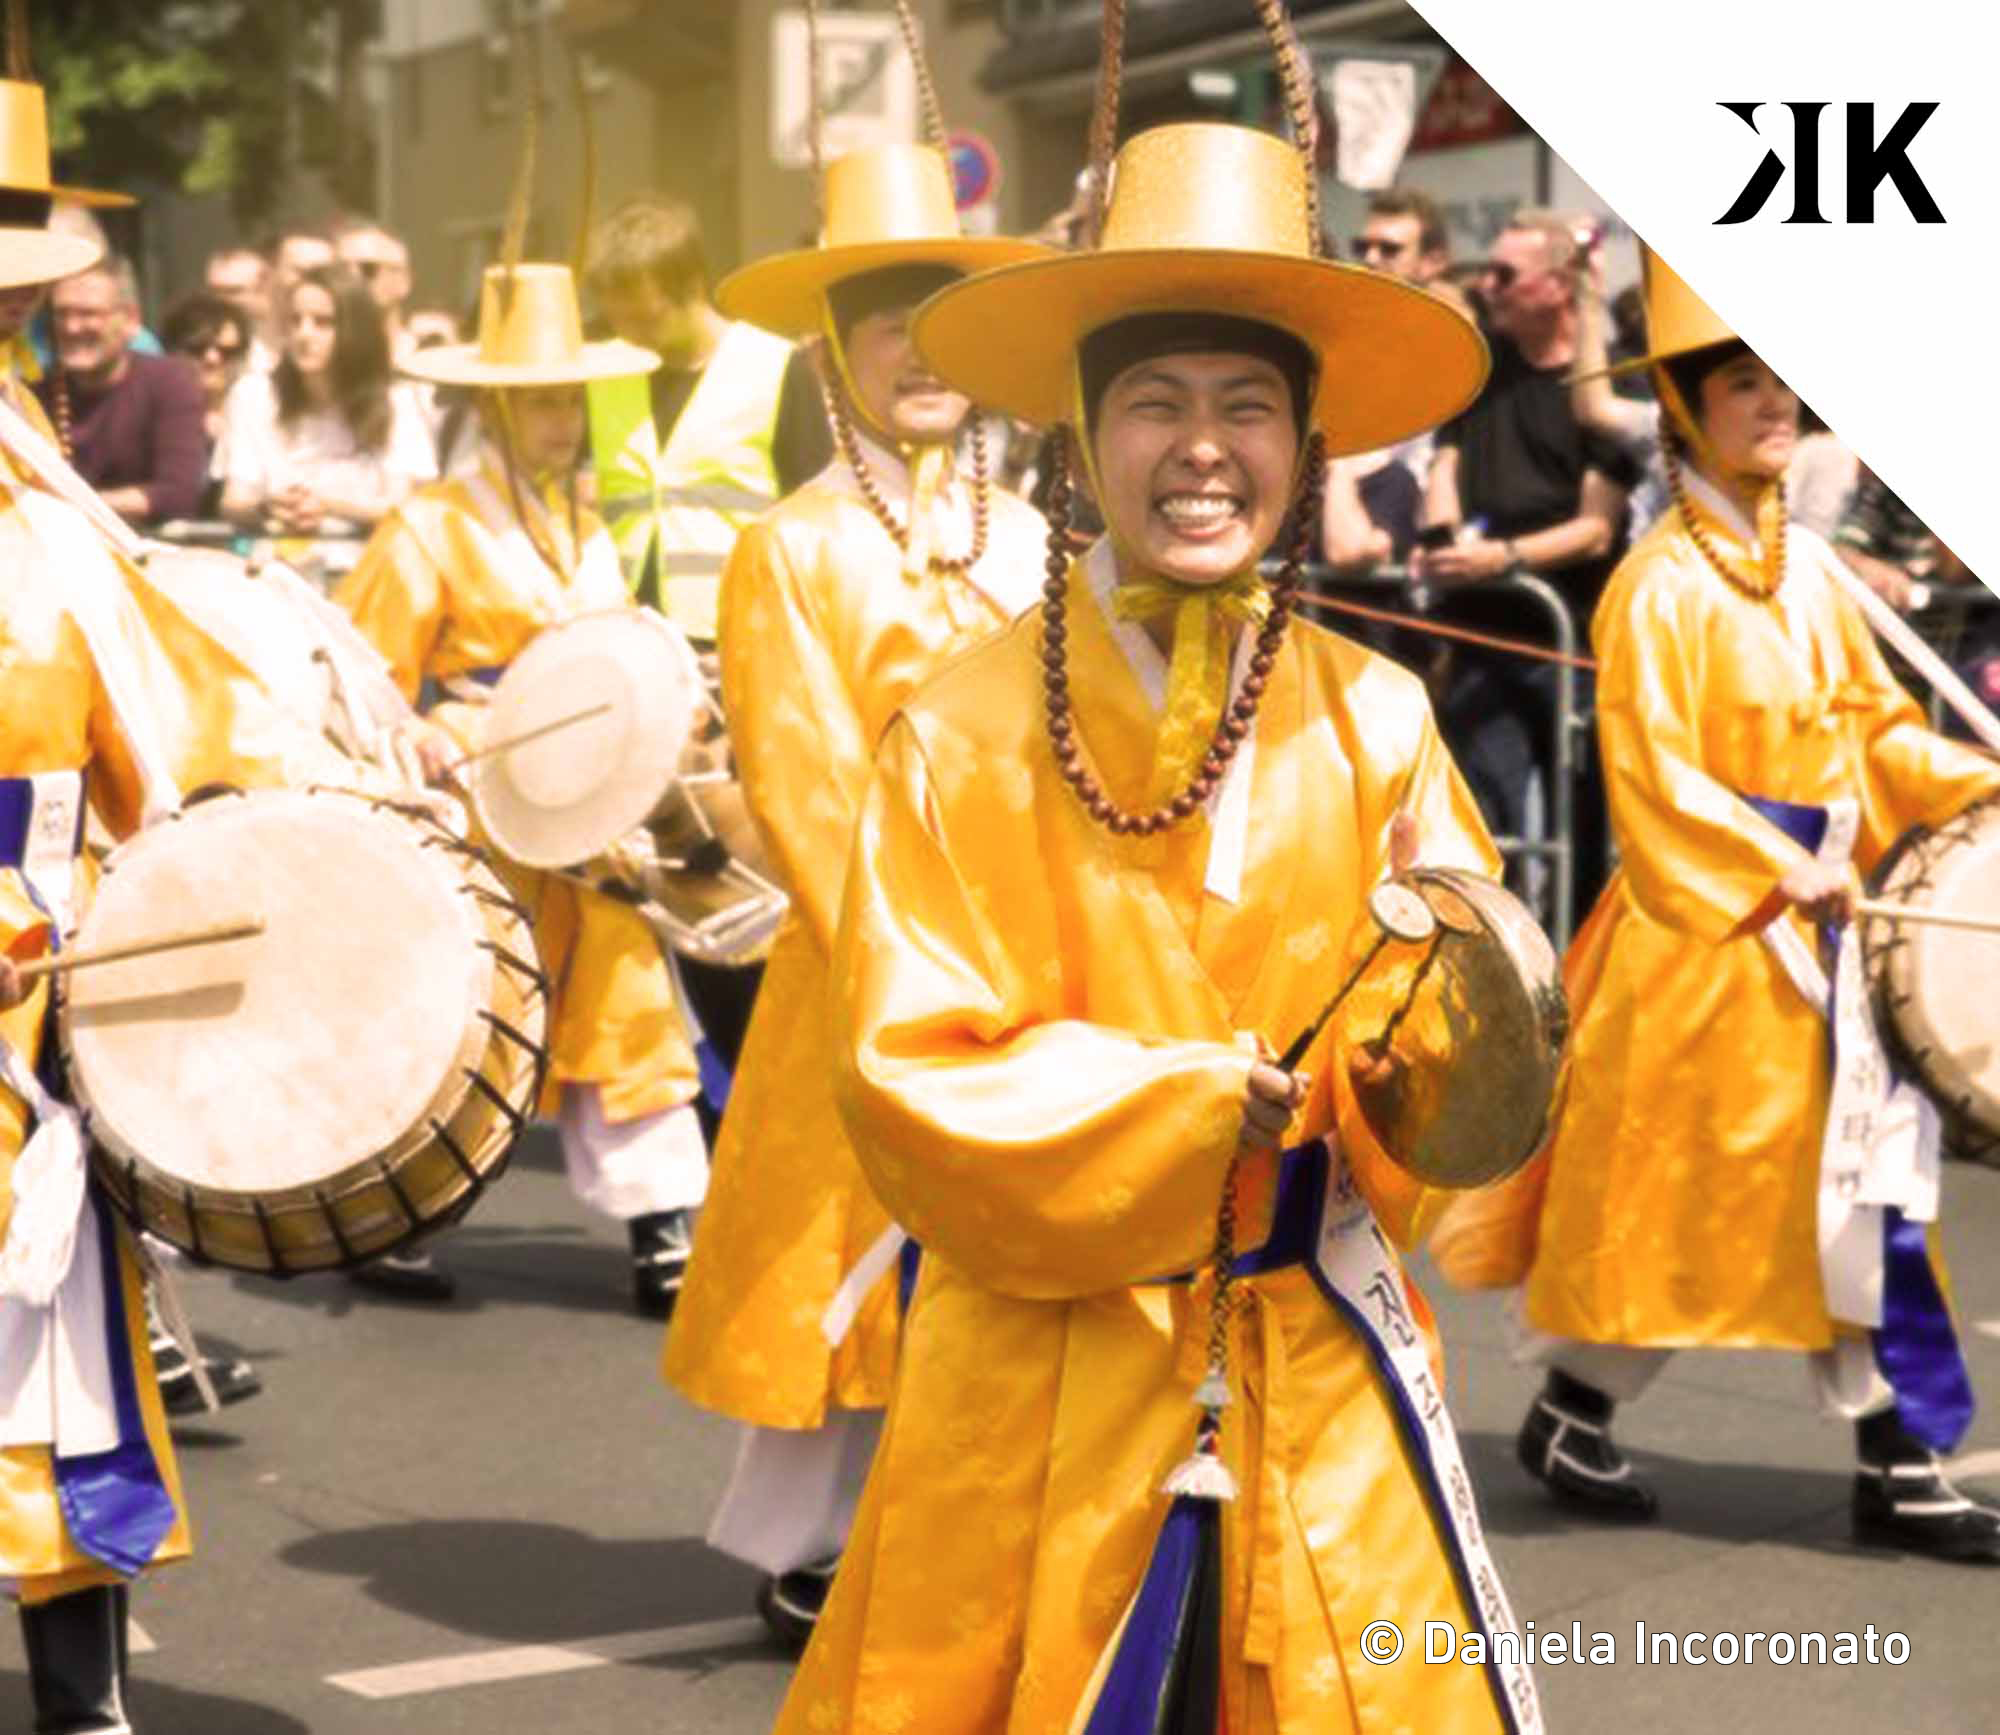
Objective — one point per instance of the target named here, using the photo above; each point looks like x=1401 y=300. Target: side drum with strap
x=637 y=796
x=350 y=1079
x=1934 y=987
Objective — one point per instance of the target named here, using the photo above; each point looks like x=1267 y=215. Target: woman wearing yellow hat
x=451 y=588
x=1756 y=750
x=1107 y=860
x=836 y=605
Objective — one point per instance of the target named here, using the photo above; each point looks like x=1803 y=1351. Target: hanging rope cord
x=927 y=96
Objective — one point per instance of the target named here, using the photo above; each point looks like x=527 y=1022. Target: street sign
x=867 y=84
x=975 y=168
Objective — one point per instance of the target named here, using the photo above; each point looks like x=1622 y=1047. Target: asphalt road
x=487 y=1517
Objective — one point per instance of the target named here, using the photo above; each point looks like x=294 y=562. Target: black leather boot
x=1566 y=1445
x=76 y=1662
x=790 y=1602
x=661 y=1243
x=1902 y=1499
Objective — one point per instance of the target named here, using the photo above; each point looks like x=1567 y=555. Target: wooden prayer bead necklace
x=1231 y=730
x=1677 y=485
x=62 y=412
x=871 y=491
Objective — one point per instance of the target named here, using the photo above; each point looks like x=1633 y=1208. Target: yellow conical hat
x=30 y=252
x=1678 y=321
x=887 y=205
x=1206 y=218
x=530 y=334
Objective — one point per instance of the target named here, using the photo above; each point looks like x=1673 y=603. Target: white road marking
x=523 y=1662
x=137 y=1640
x=1975 y=1464
x=1987 y=1327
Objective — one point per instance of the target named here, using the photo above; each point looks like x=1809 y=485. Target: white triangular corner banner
x=1887 y=328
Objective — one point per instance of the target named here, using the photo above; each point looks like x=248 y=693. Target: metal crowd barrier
x=323 y=560
x=1557 y=850
x=1951 y=614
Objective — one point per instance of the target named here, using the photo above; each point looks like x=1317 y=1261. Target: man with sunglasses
x=1522 y=486
x=1404 y=235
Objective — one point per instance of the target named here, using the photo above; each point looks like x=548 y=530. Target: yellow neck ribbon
x=929 y=464
x=18 y=359
x=1762 y=576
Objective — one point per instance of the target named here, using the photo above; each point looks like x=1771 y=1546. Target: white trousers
x=658 y=1162
x=792 y=1495
x=1845 y=1380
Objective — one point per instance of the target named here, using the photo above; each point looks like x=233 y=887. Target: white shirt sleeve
x=412 y=453
x=249 y=435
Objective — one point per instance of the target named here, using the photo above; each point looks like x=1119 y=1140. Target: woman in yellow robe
x=1049 y=1032
x=451 y=588
x=1738 y=689
x=75 y=1524
x=833 y=611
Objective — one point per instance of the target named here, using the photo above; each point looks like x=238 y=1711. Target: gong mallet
x=59 y=963
x=1400 y=914
x=487 y=749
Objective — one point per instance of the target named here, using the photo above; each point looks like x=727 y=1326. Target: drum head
x=282 y=1060
x=562 y=798
x=1935 y=985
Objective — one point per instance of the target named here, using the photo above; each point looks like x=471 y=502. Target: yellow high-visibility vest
x=689 y=498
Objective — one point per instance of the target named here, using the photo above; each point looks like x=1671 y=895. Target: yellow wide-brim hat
x=1207 y=218
x=885 y=206
x=31 y=252
x=1678 y=321
x=530 y=334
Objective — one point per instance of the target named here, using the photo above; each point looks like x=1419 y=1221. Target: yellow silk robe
x=449 y=584
x=55 y=716
x=1043 y=1069
x=1681 y=1204
x=823 y=637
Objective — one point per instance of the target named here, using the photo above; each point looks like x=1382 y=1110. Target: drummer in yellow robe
x=1756 y=750
x=451 y=588
x=1070 y=930
x=835 y=606
x=89 y=1491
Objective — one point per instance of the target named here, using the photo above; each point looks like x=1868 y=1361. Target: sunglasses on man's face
x=1499 y=273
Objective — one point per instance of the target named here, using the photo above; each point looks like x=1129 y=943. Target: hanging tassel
x=1162 y=1672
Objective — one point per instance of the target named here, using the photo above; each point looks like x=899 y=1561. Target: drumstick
x=1918 y=916
x=57 y=962
x=526 y=735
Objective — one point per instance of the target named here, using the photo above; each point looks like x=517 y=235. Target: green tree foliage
x=211 y=96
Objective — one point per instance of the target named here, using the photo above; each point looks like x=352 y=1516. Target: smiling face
x=93 y=320
x=1196 y=457
x=897 y=392
x=1750 y=418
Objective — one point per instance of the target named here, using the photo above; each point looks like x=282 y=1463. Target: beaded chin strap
x=1724 y=567
x=1237 y=718
x=894 y=528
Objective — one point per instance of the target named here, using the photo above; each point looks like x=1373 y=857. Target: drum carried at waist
x=619 y=773
x=348 y=1080
x=1934 y=986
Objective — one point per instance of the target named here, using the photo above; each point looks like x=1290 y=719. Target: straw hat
x=530 y=334
x=30 y=252
x=889 y=205
x=1678 y=321
x=1207 y=218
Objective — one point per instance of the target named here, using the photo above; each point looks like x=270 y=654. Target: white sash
x=1359 y=1272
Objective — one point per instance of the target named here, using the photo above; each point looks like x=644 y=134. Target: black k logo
x=1869 y=164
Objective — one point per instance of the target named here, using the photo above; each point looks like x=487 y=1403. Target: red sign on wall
x=1463 y=110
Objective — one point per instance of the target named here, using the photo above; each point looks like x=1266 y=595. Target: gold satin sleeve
x=799 y=742
x=1046 y=1157
x=1695 y=856
x=396 y=596
x=1911 y=774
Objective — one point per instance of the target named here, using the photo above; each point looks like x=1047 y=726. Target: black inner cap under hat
x=894 y=287
x=1109 y=351
x=1689 y=370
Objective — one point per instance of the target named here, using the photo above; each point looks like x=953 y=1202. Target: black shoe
x=408 y=1276
x=661 y=1243
x=1913 y=1507
x=790 y=1602
x=1566 y=1445
x=76 y=1662
x=230 y=1377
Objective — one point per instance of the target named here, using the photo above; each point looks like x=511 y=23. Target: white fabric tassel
x=1201 y=1477
x=48 y=1184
